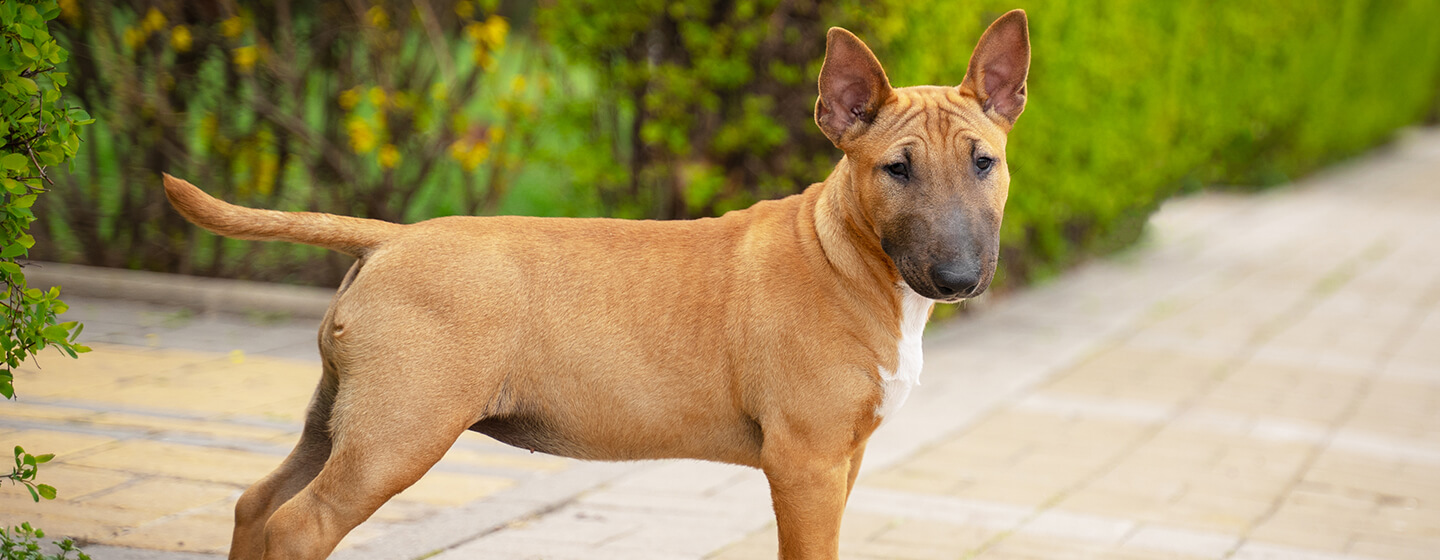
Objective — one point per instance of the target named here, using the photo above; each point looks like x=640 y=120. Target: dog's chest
x=896 y=385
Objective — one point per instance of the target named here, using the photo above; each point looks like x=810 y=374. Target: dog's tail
x=352 y=236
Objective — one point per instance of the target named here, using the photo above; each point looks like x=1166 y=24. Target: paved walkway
x=1260 y=379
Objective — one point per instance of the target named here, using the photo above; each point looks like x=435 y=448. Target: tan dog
x=776 y=337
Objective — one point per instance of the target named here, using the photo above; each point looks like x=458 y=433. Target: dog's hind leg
x=304 y=462
x=389 y=425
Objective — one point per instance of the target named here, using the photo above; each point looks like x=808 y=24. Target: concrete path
x=1260 y=379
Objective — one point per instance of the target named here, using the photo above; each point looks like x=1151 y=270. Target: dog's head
x=928 y=163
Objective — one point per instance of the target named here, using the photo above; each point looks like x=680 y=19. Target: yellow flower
x=494 y=32
x=180 y=38
x=232 y=27
x=70 y=10
x=517 y=85
x=154 y=21
x=134 y=37
x=478 y=153
x=475 y=30
x=497 y=134
x=362 y=137
x=389 y=156
x=469 y=155
x=349 y=98
x=378 y=17
x=245 y=57
x=463 y=9
x=458 y=149
x=377 y=96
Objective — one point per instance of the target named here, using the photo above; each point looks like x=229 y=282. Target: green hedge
x=1133 y=101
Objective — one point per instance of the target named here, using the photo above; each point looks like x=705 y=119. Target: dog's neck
x=848 y=236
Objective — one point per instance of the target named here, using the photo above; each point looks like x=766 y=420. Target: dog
x=776 y=337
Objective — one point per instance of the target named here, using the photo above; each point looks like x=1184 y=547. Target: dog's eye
x=984 y=164
x=898 y=170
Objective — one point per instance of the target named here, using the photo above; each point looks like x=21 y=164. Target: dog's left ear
x=998 y=68
x=853 y=86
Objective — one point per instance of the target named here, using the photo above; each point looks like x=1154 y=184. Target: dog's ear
x=853 y=86
x=998 y=68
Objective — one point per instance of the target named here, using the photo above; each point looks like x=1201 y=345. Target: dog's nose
x=955 y=281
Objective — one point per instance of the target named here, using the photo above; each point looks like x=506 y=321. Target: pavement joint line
x=101 y=407
x=135 y=433
x=1416 y=317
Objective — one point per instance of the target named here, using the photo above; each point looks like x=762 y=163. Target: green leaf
x=24 y=202
x=10 y=267
x=15 y=162
x=46 y=491
x=55 y=333
x=29 y=49
x=33 y=493
x=45 y=458
x=12 y=250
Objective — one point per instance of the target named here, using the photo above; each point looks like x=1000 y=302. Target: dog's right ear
x=853 y=86
x=998 y=68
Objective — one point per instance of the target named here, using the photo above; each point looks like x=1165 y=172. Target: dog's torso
x=598 y=338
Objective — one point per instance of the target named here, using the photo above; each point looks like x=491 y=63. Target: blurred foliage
x=347 y=107
x=1132 y=101
x=706 y=106
x=685 y=108
x=39 y=130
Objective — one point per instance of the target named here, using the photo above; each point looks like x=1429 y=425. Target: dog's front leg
x=808 y=483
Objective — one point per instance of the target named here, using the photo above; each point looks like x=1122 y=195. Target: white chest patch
x=914 y=311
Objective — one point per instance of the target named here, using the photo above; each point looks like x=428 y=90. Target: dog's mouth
x=934 y=293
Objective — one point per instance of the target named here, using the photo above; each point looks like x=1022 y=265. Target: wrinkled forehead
x=938 y=119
